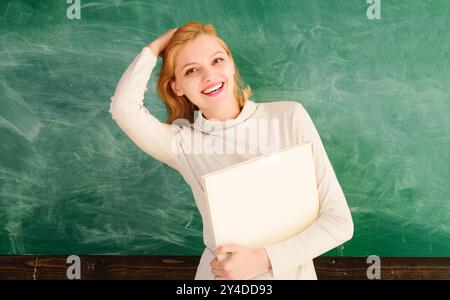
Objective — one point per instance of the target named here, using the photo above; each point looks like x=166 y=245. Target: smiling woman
x=197 y=63
x=207 y=75
x=207 y=100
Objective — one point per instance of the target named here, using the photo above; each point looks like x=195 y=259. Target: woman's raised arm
x=127 y=107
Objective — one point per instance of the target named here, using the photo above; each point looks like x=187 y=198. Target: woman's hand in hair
x=158 y=45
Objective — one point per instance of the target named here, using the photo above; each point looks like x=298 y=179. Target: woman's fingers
x=218 y=274
x=161 y=42
x=214 y=264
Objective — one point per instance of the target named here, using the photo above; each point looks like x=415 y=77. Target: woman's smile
x=214 y=89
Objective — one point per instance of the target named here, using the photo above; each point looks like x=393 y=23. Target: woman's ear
x=175 y=89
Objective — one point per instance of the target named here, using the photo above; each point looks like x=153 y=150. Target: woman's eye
x=216 y=61
x=189 y=71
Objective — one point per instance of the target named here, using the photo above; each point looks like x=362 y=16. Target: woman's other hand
x=158 y=45
x=242 y=262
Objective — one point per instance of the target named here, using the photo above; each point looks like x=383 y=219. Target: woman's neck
x=226 y=113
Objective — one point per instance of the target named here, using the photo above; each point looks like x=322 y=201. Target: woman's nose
x=208 y=74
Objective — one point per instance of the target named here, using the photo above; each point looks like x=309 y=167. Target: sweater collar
x=210 y=126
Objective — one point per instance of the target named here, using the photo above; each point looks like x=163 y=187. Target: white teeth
x=214 y=88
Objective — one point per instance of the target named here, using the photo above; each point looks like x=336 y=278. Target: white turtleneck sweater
x=174 y=144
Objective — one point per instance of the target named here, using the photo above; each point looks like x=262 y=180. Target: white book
x=263 y=200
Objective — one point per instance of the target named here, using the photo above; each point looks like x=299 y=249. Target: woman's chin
x=216 y=101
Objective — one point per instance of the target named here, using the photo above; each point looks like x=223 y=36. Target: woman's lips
x=216 y=92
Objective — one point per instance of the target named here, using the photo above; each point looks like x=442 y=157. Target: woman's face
x=205 y=75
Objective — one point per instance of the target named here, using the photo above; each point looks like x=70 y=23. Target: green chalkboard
x=378 y=90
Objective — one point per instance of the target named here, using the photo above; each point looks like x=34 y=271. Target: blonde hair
x=179 y=107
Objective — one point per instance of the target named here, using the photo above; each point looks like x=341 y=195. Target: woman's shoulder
x=282 y=106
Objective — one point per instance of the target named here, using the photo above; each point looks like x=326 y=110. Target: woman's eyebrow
x=194 y=63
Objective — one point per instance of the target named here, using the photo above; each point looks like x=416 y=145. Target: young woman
x=200 y=84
